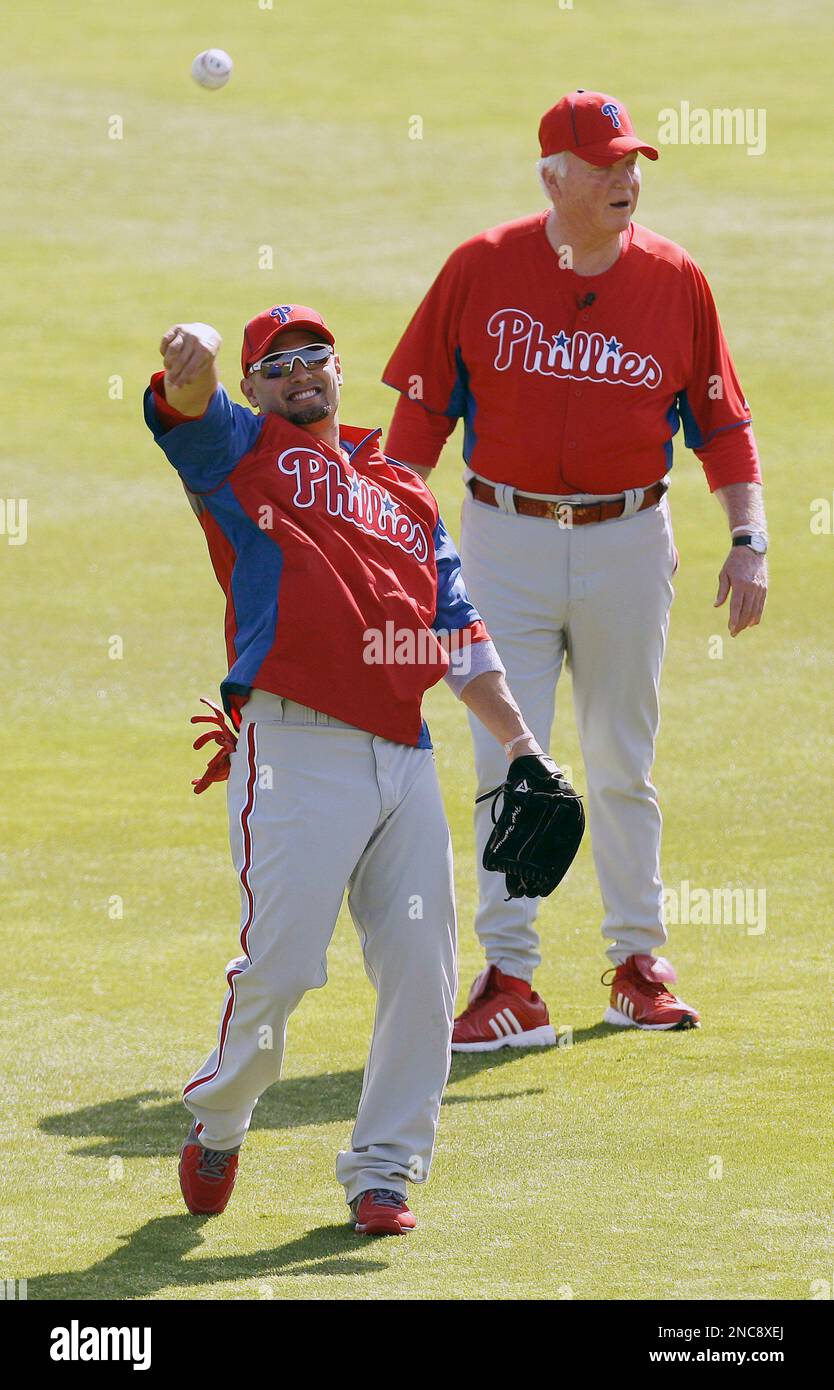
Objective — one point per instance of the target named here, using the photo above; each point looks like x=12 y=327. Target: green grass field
x=694 y=1165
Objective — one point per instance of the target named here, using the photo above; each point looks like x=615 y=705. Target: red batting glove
x=220 y=765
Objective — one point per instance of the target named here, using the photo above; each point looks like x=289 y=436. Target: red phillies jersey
x=569 y=383
x=315 y=555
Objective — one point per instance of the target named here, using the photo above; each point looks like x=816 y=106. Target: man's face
x=595 y=199
x=305 y=397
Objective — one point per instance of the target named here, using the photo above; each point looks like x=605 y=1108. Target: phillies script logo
x=357 y=500
x=580 y=356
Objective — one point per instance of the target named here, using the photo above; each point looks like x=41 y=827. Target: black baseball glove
x=539 y=829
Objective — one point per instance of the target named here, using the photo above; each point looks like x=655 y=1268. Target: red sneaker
x=502 y=1012
x=381 y=1212
x=639 y=998
x=207 y=1176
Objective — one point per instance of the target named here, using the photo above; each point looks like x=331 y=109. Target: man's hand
x=189 y=352
x=744 y=575
x=188 y=349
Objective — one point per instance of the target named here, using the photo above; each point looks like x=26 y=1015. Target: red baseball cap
x=260 y=331
x=593 y=126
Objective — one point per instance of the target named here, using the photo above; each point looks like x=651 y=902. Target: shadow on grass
x=153 y=1123
x=468 y=1063
x=154 y=1257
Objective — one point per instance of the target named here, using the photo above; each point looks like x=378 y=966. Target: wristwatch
x=756 y=540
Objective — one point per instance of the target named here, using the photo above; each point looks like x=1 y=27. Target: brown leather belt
x=567 y=513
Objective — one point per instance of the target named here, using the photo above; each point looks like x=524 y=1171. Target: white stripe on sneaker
x=512 y=1020
x=499 y=1033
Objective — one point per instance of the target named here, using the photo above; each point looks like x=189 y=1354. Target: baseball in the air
x=212 y=68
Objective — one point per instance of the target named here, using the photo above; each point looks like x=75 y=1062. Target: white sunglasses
x=277 y=364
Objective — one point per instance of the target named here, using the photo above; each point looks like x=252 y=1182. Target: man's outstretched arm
x=199 y=429
x=189 y=353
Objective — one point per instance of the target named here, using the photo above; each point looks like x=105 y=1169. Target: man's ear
x=249 y=392
x=337 y=362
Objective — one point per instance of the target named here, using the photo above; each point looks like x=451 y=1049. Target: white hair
x=552 y=164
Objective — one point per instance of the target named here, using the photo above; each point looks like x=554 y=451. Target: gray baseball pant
x=316 y=806
x=597 y=596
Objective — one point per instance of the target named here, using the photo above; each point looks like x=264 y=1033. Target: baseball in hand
x=212 y=68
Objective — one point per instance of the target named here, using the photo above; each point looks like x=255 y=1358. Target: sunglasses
x=277 y=364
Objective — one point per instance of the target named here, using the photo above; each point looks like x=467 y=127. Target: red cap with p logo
x=593 y=126
x=260 y=331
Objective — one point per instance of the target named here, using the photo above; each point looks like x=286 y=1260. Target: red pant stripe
x=245 y=818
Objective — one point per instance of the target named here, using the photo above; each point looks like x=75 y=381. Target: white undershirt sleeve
x=469 y=662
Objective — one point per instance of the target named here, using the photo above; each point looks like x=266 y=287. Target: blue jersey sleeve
x=454 y=609
x=205 y=450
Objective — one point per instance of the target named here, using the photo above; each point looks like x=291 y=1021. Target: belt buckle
x=563 y=513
